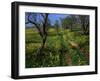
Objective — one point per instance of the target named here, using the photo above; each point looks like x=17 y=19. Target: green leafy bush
x=56 y=49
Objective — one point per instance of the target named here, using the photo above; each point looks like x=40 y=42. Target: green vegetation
x=56 y=40
x=62 y=48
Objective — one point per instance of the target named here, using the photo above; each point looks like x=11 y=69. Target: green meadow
x=62 y=48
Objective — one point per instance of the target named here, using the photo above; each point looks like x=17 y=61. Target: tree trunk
x=40 y=54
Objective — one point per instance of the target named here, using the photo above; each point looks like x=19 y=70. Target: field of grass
x=63 y=48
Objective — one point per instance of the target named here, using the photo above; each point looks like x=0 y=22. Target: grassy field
x=63 y=48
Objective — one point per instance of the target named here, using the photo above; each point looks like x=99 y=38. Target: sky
x=52 y=18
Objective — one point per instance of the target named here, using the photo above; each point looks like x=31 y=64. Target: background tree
x=56 y=25
x=84 y=22
x=69 y=22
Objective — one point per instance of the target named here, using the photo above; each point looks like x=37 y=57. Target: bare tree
x=41 y=26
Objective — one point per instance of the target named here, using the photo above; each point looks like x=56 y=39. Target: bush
x=56 y=48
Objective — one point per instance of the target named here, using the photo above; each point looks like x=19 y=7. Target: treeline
x=78 y=23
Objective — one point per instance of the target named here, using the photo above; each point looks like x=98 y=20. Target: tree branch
x=45 y=23
x=32 y=22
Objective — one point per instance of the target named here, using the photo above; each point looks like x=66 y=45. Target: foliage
x=57 y=49
x=64 y=42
